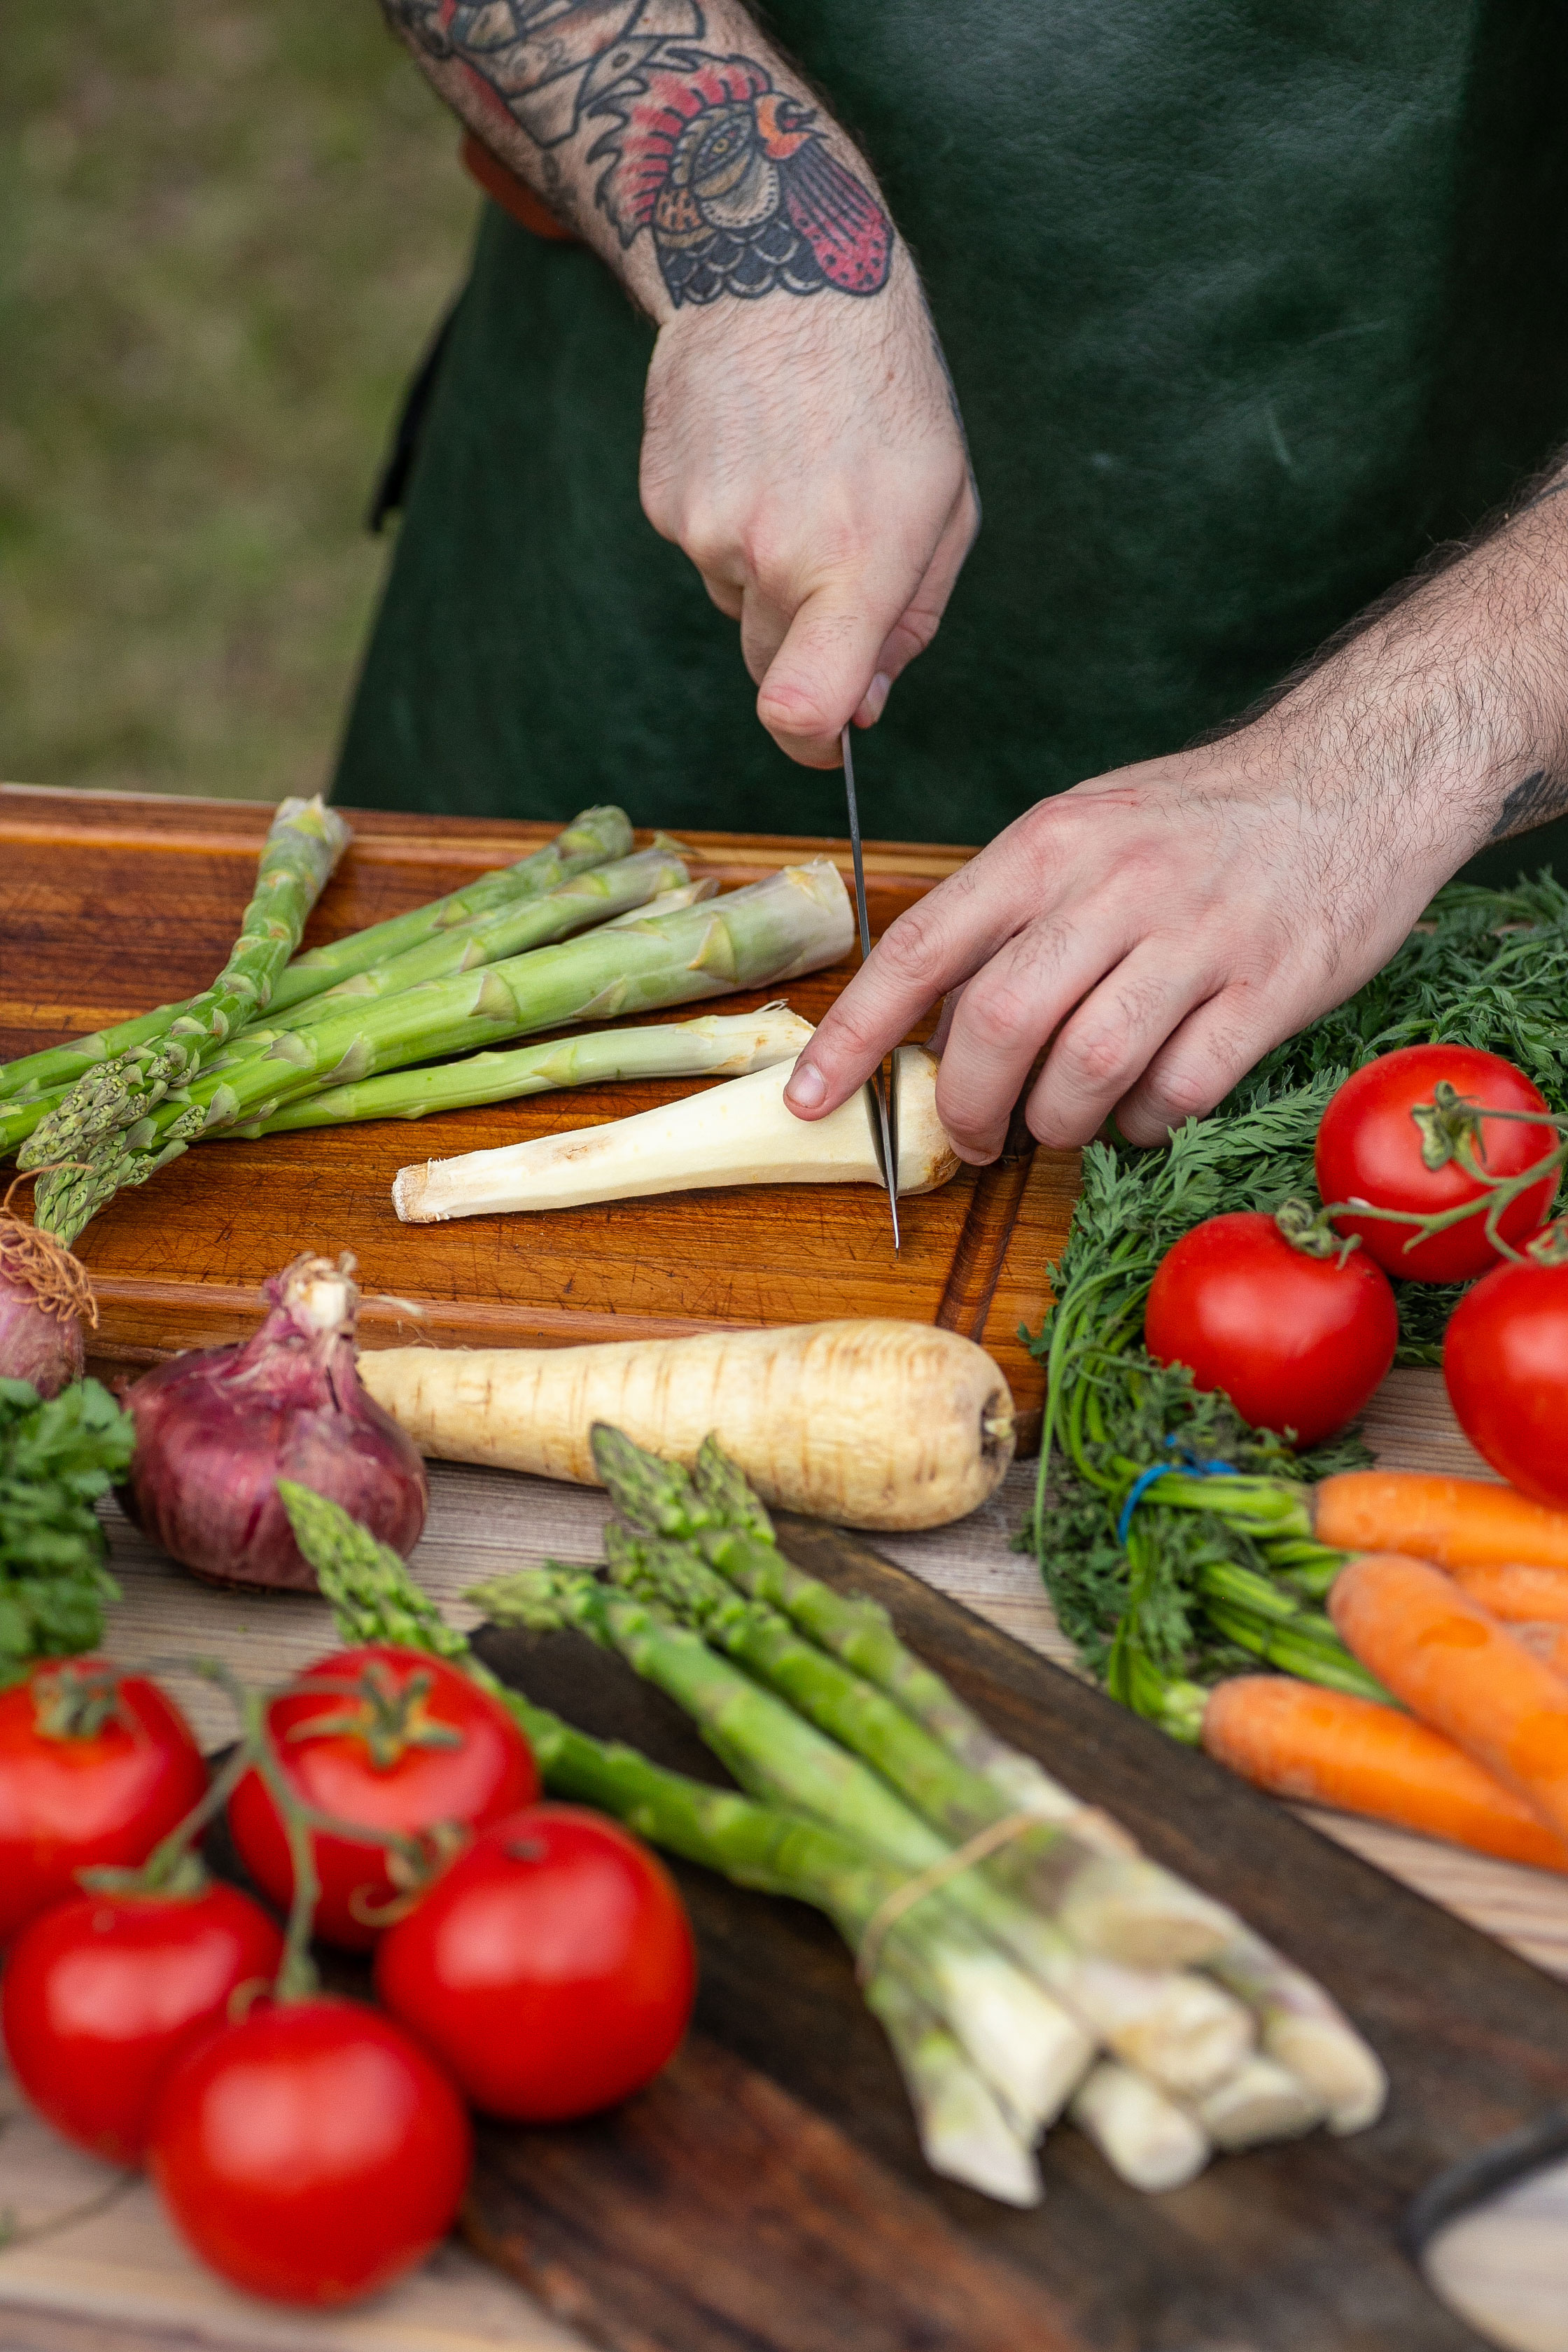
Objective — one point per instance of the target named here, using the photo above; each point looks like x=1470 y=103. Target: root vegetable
x=45 y=1299
x=216 y=1427
x=1317 y=1746
x=1455 y=1521
x=742 y=1133
x=1516 y=1591
x=1461 y=1672
x=871 y=1424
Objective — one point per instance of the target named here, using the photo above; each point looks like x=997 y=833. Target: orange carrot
x=1322 y=1747
x=1451 y=1520
x=1514 y=1591
x=1461 y=1672
x=1548 y=1642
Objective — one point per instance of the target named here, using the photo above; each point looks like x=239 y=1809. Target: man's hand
x=1159 y=928
x=802 y=443
x=808 y=458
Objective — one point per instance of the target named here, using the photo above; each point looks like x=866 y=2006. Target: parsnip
x=741 y=1133
x=871 y=1424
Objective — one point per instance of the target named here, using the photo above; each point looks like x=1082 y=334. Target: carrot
x=1514 y=1591
x=1323 y=1747
x=1455 y=1521
x=874 y=1424
x=1548 y=1642
x=1460 y=1671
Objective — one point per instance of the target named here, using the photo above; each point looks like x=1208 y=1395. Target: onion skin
x=44 y=1299
x=37 y=1346
x=217 y=1428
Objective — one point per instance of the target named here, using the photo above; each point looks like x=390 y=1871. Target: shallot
x=217 y=1429
x=44 y=1299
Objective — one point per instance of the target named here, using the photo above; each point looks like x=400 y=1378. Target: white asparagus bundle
x=869 y=1424
x=742 y=1133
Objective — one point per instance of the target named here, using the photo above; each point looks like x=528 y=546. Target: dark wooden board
x=768 y=2195
x=111 y=903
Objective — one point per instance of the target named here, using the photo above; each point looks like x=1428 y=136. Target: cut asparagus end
x=1142 y=2135
x=1306 y=2031
x=1169 y=2025
x=1027 y=2046
x=964 y=2134
x=1136 y=1911
x=741 y=1133
x=1261 y=2101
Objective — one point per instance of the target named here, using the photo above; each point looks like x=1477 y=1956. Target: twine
x=36 y=1262
x=892 y=1907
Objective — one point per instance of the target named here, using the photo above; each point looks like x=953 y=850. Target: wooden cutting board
x=767 y=2194
x=111 y=903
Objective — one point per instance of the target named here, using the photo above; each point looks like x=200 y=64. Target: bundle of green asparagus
x=275 y=1045
x=1021 y=1955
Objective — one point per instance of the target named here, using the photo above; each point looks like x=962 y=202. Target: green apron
x=1248 y=304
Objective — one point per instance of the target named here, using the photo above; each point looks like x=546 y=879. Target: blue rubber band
x=1188 y=1464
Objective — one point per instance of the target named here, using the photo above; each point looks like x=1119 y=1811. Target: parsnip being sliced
x=741 y=1133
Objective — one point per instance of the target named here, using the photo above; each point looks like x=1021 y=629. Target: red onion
x=217 y=1428
x=44 y=1299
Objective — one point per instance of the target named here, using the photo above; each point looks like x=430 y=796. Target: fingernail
x=875 y=700
x=806 y=1088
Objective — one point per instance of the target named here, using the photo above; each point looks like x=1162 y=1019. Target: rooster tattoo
x=733 y=180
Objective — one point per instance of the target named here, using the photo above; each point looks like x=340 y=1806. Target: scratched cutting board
x=111 y=903
x=767 y=2194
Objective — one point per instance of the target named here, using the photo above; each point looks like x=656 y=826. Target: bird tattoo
x=733 y=180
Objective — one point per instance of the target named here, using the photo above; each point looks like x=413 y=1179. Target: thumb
x=822 y=673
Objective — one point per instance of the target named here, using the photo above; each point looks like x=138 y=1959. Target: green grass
x=226 y=235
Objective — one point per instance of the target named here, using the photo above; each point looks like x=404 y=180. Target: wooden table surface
x=90 y=2263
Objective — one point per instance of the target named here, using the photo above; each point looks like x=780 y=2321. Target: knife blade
x=881 y=1096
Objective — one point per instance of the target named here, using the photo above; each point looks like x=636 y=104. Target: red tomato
x=95 y=1768
x=1297 y=1343
x=101 y=1994
x=1505 y=1360
x=396 y=1740
x=550 y=1968
x=1369 y=1148
x=310 y=2153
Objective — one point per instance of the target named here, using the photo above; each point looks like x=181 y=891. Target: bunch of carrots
x=1456 y=1597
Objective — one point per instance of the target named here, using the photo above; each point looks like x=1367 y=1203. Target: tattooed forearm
x=733 y=181
x=1535 y=801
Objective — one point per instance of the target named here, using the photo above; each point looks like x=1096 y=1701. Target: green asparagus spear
x=303 y=844
x=795 y=922
x=1019 y=2044
x=507 y=929
x=589 y=841
x=716 y=1044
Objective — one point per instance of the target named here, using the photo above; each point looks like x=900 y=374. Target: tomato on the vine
x=551 y=1967
x=1370 y=1149
x=95 y=1768
x=390 y=1740
x=1298 y=1342
x=1505 y=1361
x=101 y=1994
x=310 y=2153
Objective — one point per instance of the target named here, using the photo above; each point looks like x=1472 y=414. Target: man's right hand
x=807 y=456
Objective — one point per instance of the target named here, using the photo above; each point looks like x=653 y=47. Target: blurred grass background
x=226 y=234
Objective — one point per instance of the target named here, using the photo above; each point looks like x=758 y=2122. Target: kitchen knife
x=881 y=1091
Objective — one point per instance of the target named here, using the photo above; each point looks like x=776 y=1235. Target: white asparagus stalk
x=741 y=1133
x=1261 y=2101
x=1141 y=1913
x=965 y=2134
x=1305 y=2031
x=869 y=1424
x=669 y=902
x=1164 y=2024
x=1145 y=2136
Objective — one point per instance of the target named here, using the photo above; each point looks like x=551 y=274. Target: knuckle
x=1000 y=1014
x=1100 y=1061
